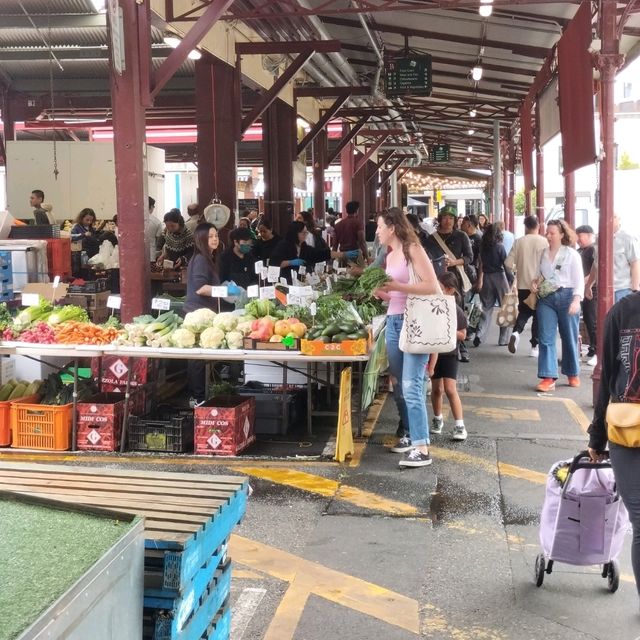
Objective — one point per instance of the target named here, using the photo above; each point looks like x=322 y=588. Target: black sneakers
x=415 y=458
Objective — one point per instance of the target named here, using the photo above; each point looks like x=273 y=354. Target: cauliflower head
x=199 y=320
x=211 y=338
x=183 y=338
x=226 y=321
x=234 y=340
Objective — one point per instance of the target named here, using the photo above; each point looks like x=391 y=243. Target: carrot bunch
x=84 y=333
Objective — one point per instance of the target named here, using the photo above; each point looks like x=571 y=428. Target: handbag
x=546 y=288
x=508 y=310
x=531 y=301
x=430 y=322
x=474 y=313
x=623 y=423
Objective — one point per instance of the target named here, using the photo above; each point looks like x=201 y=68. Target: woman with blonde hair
x=407 y=369
x=559 y=287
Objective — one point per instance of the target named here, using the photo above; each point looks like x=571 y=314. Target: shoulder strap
x=466 y=283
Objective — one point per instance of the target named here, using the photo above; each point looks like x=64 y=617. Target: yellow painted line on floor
x=367 y=430
x=506 y=415
x=245 y=574
x=521 y=473
x=330 y=488
x=572 y=407
x=179 y=461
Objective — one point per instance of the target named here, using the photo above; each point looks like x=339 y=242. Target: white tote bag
x=430 y=322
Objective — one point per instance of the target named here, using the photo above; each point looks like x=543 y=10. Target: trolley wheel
x=605 y=569
x=613 y=576
x=538 y=572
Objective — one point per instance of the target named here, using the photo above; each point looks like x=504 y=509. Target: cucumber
x=325 y=339
x=339 y=337
x=5 y=391
x=353 y=336
x=362 y=333
x=18 y=392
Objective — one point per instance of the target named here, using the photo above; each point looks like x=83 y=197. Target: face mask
x=245 y=248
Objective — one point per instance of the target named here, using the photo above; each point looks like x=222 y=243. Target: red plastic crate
x=140 y=400
x=59 y=257
x=100 y=422
x=224 y=425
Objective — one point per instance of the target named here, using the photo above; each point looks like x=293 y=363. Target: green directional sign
x=410 y=76
x=439 y=153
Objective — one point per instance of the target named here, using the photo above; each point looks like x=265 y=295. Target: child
x=443 y=369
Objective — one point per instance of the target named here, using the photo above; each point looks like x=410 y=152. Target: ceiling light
x=476 y=73
x=472 y=113
x=302 y=123
x=468 y=159
x=485 y=10
x=99 y=5
x=194 y=54
x=470 y=149
x=471 y=131
x=171 y=39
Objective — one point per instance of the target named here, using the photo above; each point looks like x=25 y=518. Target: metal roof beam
x=70 y=53
x=329 y=92
x=361 y=163
x=60 y=21
x=346 y=139
x=298 y=46
x=323 y=121
x=381 y=162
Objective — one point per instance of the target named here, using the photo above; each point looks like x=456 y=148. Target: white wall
x=86 y=177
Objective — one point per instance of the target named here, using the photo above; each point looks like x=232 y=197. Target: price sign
x=283 y=281
x=219 y=292
x=56 y=282
x=167 y=264
x=253 y=291
x=267 y=293
x=314 y=278
x=302 y=270
x=294 y=299
x=341 y=270
x=258 y=267
x=114 y=302
x=30 y=299
x=294 y=278
x=161 y=304
x=263 y=273
x=306 y=291
x=329 y=285
x=313 y=309
x=273 y=273
x=336 y=264
x=320 y=268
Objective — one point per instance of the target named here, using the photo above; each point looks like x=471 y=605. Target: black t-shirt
x=199 y=273
x=493 y=258
x=461 y=323
x=588 y=256
x=239 y=269
x=264 y=248
x=370 y=230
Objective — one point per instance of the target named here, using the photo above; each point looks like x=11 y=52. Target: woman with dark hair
x=178 y=240
x=293 y=251
x=202 y=275
x=407 y=369
x=267 y=240
x=414 y=221
x=492 y=281
x=84 y=230
x=314 y=236
x=483 y=222
x=560 y=287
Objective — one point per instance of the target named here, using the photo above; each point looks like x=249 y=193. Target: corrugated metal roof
x=31 y=38
x=45 y=7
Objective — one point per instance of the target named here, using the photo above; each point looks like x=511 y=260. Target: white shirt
x=565 y=270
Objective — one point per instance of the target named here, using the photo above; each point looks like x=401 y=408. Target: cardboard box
x=46 y=290
x=224 y=425
x=100 y=422
x=90 y=301
x=112 y=370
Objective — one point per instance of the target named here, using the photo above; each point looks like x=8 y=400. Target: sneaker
x=592 y=361
x=534 y=352
x=459 y=433
x=574 y=381
x=513 y=342
x=415 y=458
x=403 y=445
x=546 y=384
x=436 y=425
x=476 y=342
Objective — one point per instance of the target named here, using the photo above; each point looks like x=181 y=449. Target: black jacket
x=620 y=377
x=286 y=250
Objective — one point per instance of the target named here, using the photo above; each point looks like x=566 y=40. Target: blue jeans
x=408 y=369
x=553 y=316
x=621 y=293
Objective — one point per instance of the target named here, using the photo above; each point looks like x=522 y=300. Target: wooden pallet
x=188 y=517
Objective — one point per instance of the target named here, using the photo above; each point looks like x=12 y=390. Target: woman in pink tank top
x=407 y=369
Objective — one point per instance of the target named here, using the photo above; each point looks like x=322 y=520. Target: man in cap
x=587 y=251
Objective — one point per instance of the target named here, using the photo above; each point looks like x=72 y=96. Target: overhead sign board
x=439 y=153
x=409 y=76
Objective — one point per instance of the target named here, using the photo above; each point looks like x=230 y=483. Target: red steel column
x=371 y=187
x=505 y=198
x=217 y=154
x=130 y=165
x=512 y=191
x=540 y=186
x=359 y=188
x=346 y=164
x=607 y=62
x=278 y=147
x=319 y=163
x=570 y=199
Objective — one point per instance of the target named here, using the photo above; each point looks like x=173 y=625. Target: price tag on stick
x=161 y=304
x=30 y=299
x=113 y=303
x=253 y=291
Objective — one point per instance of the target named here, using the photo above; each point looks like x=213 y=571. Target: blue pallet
x=5 y=258
x=203 y=612
x=181 y=562
x=6 y=295
x=220 y=629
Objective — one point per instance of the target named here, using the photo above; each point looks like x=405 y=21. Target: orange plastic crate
x=41 y=426
x=5 y=418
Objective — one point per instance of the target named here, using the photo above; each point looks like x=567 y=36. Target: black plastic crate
x=34 y=232
x=269 y=406
x=92 y=286
x=162 y=431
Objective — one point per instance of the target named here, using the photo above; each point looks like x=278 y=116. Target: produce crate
x=34 y=232
x=40 y=426
x=259 y=345
x=224 y=425
x=140 y=401
x=59 y=257
x=269 y=419
x=112 y=370
x=358 y=347
x=90 y=301
x=5 y=417
x=100 y=422
x=92 y=286
x=161 y=432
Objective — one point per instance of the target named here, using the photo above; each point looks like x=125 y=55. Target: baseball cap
x=585 y=228
x=448 y=210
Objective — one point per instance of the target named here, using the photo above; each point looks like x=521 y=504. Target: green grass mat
x=43 y=551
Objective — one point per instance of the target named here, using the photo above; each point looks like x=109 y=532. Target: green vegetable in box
x=5 y=316
x=31 y=315
x=68 y=312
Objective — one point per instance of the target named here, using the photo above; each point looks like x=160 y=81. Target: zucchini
x=18 y=392
x=5 y=391
x=339 y=337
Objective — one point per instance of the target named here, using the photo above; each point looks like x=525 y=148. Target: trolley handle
x=577 y=464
